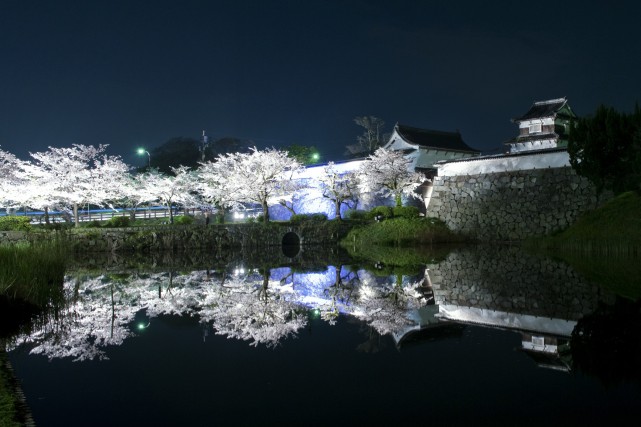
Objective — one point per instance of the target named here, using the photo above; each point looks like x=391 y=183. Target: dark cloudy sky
x=137 y=73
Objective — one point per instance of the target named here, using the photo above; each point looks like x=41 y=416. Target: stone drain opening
x=291 y=244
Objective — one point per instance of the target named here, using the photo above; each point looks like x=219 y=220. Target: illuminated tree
x=388 y=173
x=78 y=175
x=260 y=176
x=173 y=189
x=216 y=188
x=136 y=191
x=338 y=187
x=12 y=182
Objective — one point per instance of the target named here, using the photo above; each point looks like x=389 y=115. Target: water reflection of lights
x=142 y=326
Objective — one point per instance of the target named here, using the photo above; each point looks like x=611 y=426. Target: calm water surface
x=479 y=338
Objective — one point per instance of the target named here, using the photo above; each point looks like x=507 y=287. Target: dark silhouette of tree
x=179 y=151
x=306 y=155
x=186 y=151
x=371 y=138
x=607 y=343
x=606 y=149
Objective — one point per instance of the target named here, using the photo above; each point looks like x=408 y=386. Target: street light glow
x=142 y=151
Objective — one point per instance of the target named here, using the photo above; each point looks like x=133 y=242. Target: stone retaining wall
x=511 y=205
x=183 y=237
x=505 y=278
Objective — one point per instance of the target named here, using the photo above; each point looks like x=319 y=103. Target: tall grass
x=604 y=245
x=9 y=404
x=614 y=229
x=31 y=272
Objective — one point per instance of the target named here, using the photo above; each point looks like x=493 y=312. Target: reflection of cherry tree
x=340 y=294
x=165 y=293
x=263 y=309
x=388 y=307
x=262 y=312
x=99 y=311
x=97 y=314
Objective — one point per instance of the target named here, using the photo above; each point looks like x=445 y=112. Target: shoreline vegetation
x=608 y=234
x=604 y=245
x=611 y=229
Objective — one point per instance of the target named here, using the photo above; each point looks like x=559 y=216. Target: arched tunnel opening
x=291 y=244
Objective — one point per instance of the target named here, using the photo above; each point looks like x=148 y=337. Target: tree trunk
x=265 y=212
x=399 y=200
x=47 y=215
x=75 y=215
x=337 y=206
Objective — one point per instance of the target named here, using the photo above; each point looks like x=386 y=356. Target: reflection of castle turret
x=546 y=350
x=204 y=143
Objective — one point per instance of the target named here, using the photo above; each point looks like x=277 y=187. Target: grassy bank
x=612 y=229
x=604 y=245
x=403 y=243
x=400 y=232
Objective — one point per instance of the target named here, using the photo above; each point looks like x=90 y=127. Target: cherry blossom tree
x=338 y=187
x=136 y=191
x=260 y=176
x=78 y=175
x=176 y=189
x=110 y=176
x=388 y=173
x=12 y=181
x=216 y=187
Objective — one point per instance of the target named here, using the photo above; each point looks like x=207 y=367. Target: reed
x=10 y=415
x=31 y=272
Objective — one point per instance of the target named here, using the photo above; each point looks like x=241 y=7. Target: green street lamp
x=142 y=151
x=315 y=157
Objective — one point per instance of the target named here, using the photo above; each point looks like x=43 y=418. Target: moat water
x=473 y=337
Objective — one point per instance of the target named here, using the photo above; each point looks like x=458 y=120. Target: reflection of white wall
x=502 y=319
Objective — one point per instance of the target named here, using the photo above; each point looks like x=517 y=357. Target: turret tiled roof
x=433 y=138
x=541 y=109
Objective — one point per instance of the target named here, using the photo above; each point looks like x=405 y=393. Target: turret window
x=535 y=127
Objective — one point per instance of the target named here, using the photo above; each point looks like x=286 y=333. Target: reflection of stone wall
x=185 y=237
x=504 y=278
x=511 y=205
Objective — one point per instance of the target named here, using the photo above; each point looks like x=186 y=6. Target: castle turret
x=545 y=125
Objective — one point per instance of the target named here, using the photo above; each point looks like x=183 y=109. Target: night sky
x=137 y=73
